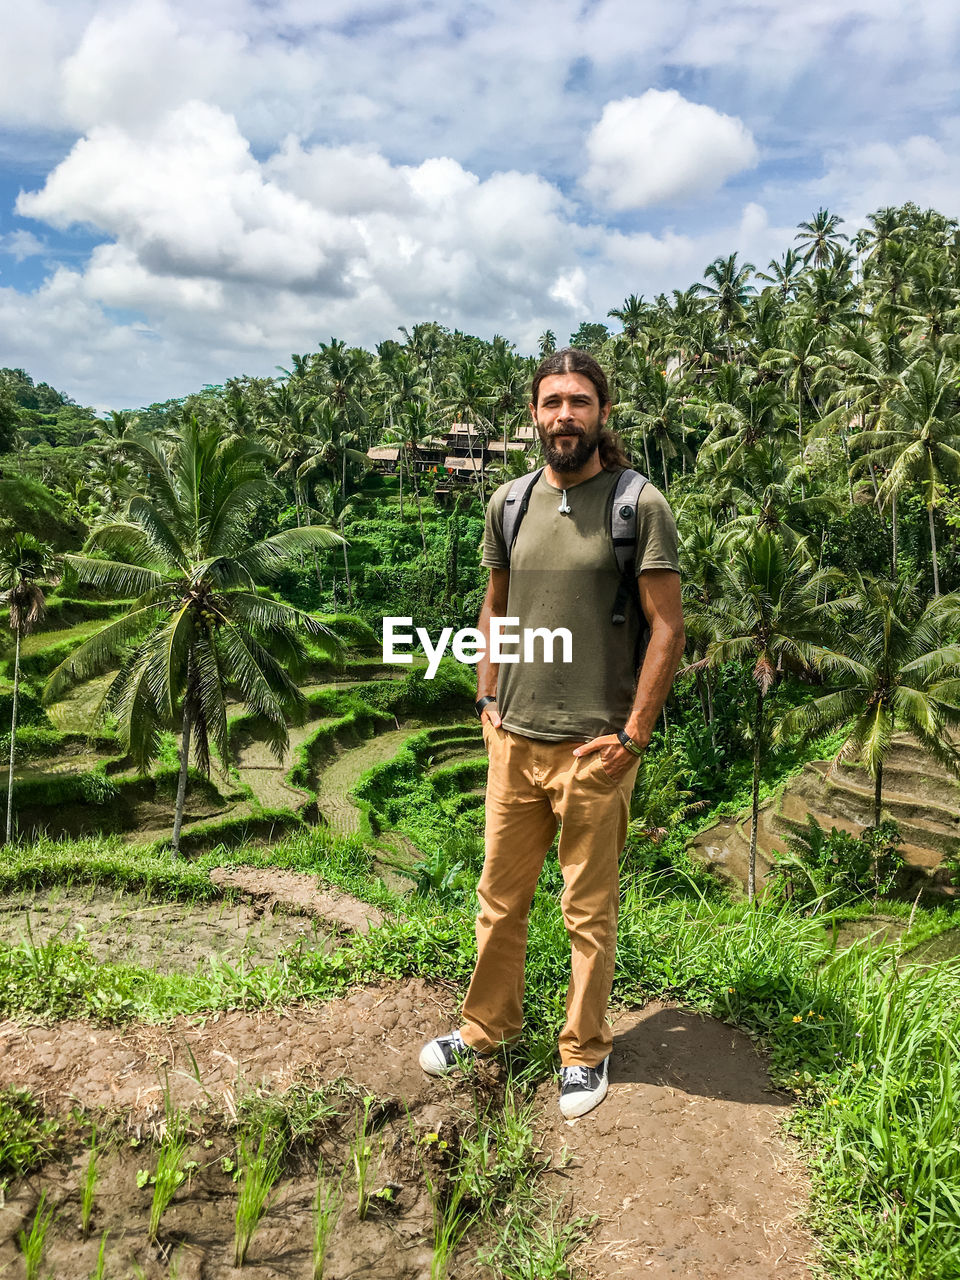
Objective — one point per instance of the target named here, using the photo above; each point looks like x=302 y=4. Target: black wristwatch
x=634 y=748
x=481 y=703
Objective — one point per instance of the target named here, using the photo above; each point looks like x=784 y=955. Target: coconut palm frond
x=113 y=577
x=267 y=558
x=96 y=655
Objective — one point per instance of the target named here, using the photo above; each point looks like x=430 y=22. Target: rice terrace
x=238 y=885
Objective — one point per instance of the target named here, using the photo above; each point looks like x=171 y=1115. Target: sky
x=192 y=192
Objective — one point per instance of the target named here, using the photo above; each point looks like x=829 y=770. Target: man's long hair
x=575 y=360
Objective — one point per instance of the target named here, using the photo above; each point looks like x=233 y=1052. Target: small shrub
x=837 y=867
x=27 y=1139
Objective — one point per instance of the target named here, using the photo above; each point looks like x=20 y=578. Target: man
x=565 y=740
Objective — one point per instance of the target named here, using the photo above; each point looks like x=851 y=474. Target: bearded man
x=565 y=741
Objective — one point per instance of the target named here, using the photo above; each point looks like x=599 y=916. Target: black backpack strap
x=623 y=530
x=515 y=506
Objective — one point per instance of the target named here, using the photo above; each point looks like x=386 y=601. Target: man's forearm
x=487 y=672
x=494 y=606
x=664 y=651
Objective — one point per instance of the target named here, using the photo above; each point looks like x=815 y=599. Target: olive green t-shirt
x=563 y=573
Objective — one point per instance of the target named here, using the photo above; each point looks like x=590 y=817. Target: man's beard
x=562 y=460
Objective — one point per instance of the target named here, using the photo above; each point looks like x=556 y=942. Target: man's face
x=569 y=417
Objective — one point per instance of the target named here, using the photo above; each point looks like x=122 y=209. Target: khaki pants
x=532 y=786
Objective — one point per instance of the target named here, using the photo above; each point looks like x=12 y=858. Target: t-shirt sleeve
x=656 y=532
x=494 y=548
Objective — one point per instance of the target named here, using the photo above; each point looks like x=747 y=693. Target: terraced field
x=354 y=723
x=922 y=796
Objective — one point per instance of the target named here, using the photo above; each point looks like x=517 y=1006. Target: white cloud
x=191 y=200
x=266 y=175
x=662 y=149
x=233 y=261
x=920 y=168
x=21 y=244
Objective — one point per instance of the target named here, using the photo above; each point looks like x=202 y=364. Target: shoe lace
x=576 y=1075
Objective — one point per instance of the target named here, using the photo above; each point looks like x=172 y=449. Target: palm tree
x=888 y=665
x=702 y=556
x=290 y=429
x=465 y=394
x=784 y=274
x=632 y=316
x=743 y=413
x=22 y=561
x=411 y=428
x=766 y=497
x=767 y=618
x=658 y=403
x=199 y=629
x=819 y=237
x=729 y=292
x=797 y=362
x=865 y=370
x=507 y=378
x=343 y=379
x=918 y=439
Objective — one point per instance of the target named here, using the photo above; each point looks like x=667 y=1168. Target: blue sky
x=187 y=195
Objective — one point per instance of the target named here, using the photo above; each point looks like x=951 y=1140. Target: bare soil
x=682 y=1164
x=297 y=892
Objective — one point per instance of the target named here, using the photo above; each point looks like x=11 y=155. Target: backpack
x=623 y=534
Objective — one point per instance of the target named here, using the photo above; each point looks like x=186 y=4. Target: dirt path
x=371 y=1036
x=338 y=777
x=682 y=1163
x=296 y=893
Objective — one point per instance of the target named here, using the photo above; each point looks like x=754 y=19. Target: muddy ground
x=682 y=1164
x=170 y=937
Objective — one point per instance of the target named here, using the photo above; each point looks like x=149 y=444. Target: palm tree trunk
x=873 y=480
x=933 y=549
x=800 y=434
x=701 y=694
x=646 y=449
x=894 y=514
x=846 y=454
x=755 y=800
x=416 y=490
x=877 y=794
x=346 y=566
x=184 y=765
x=13 y=739
x=663 y=459
x=710 y=720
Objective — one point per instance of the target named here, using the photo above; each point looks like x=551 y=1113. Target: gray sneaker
x=582 y=1089
x=446 y=1053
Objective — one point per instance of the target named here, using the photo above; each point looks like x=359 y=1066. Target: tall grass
x=259 y=1170
x=170 y=1172
x=33 y=1242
